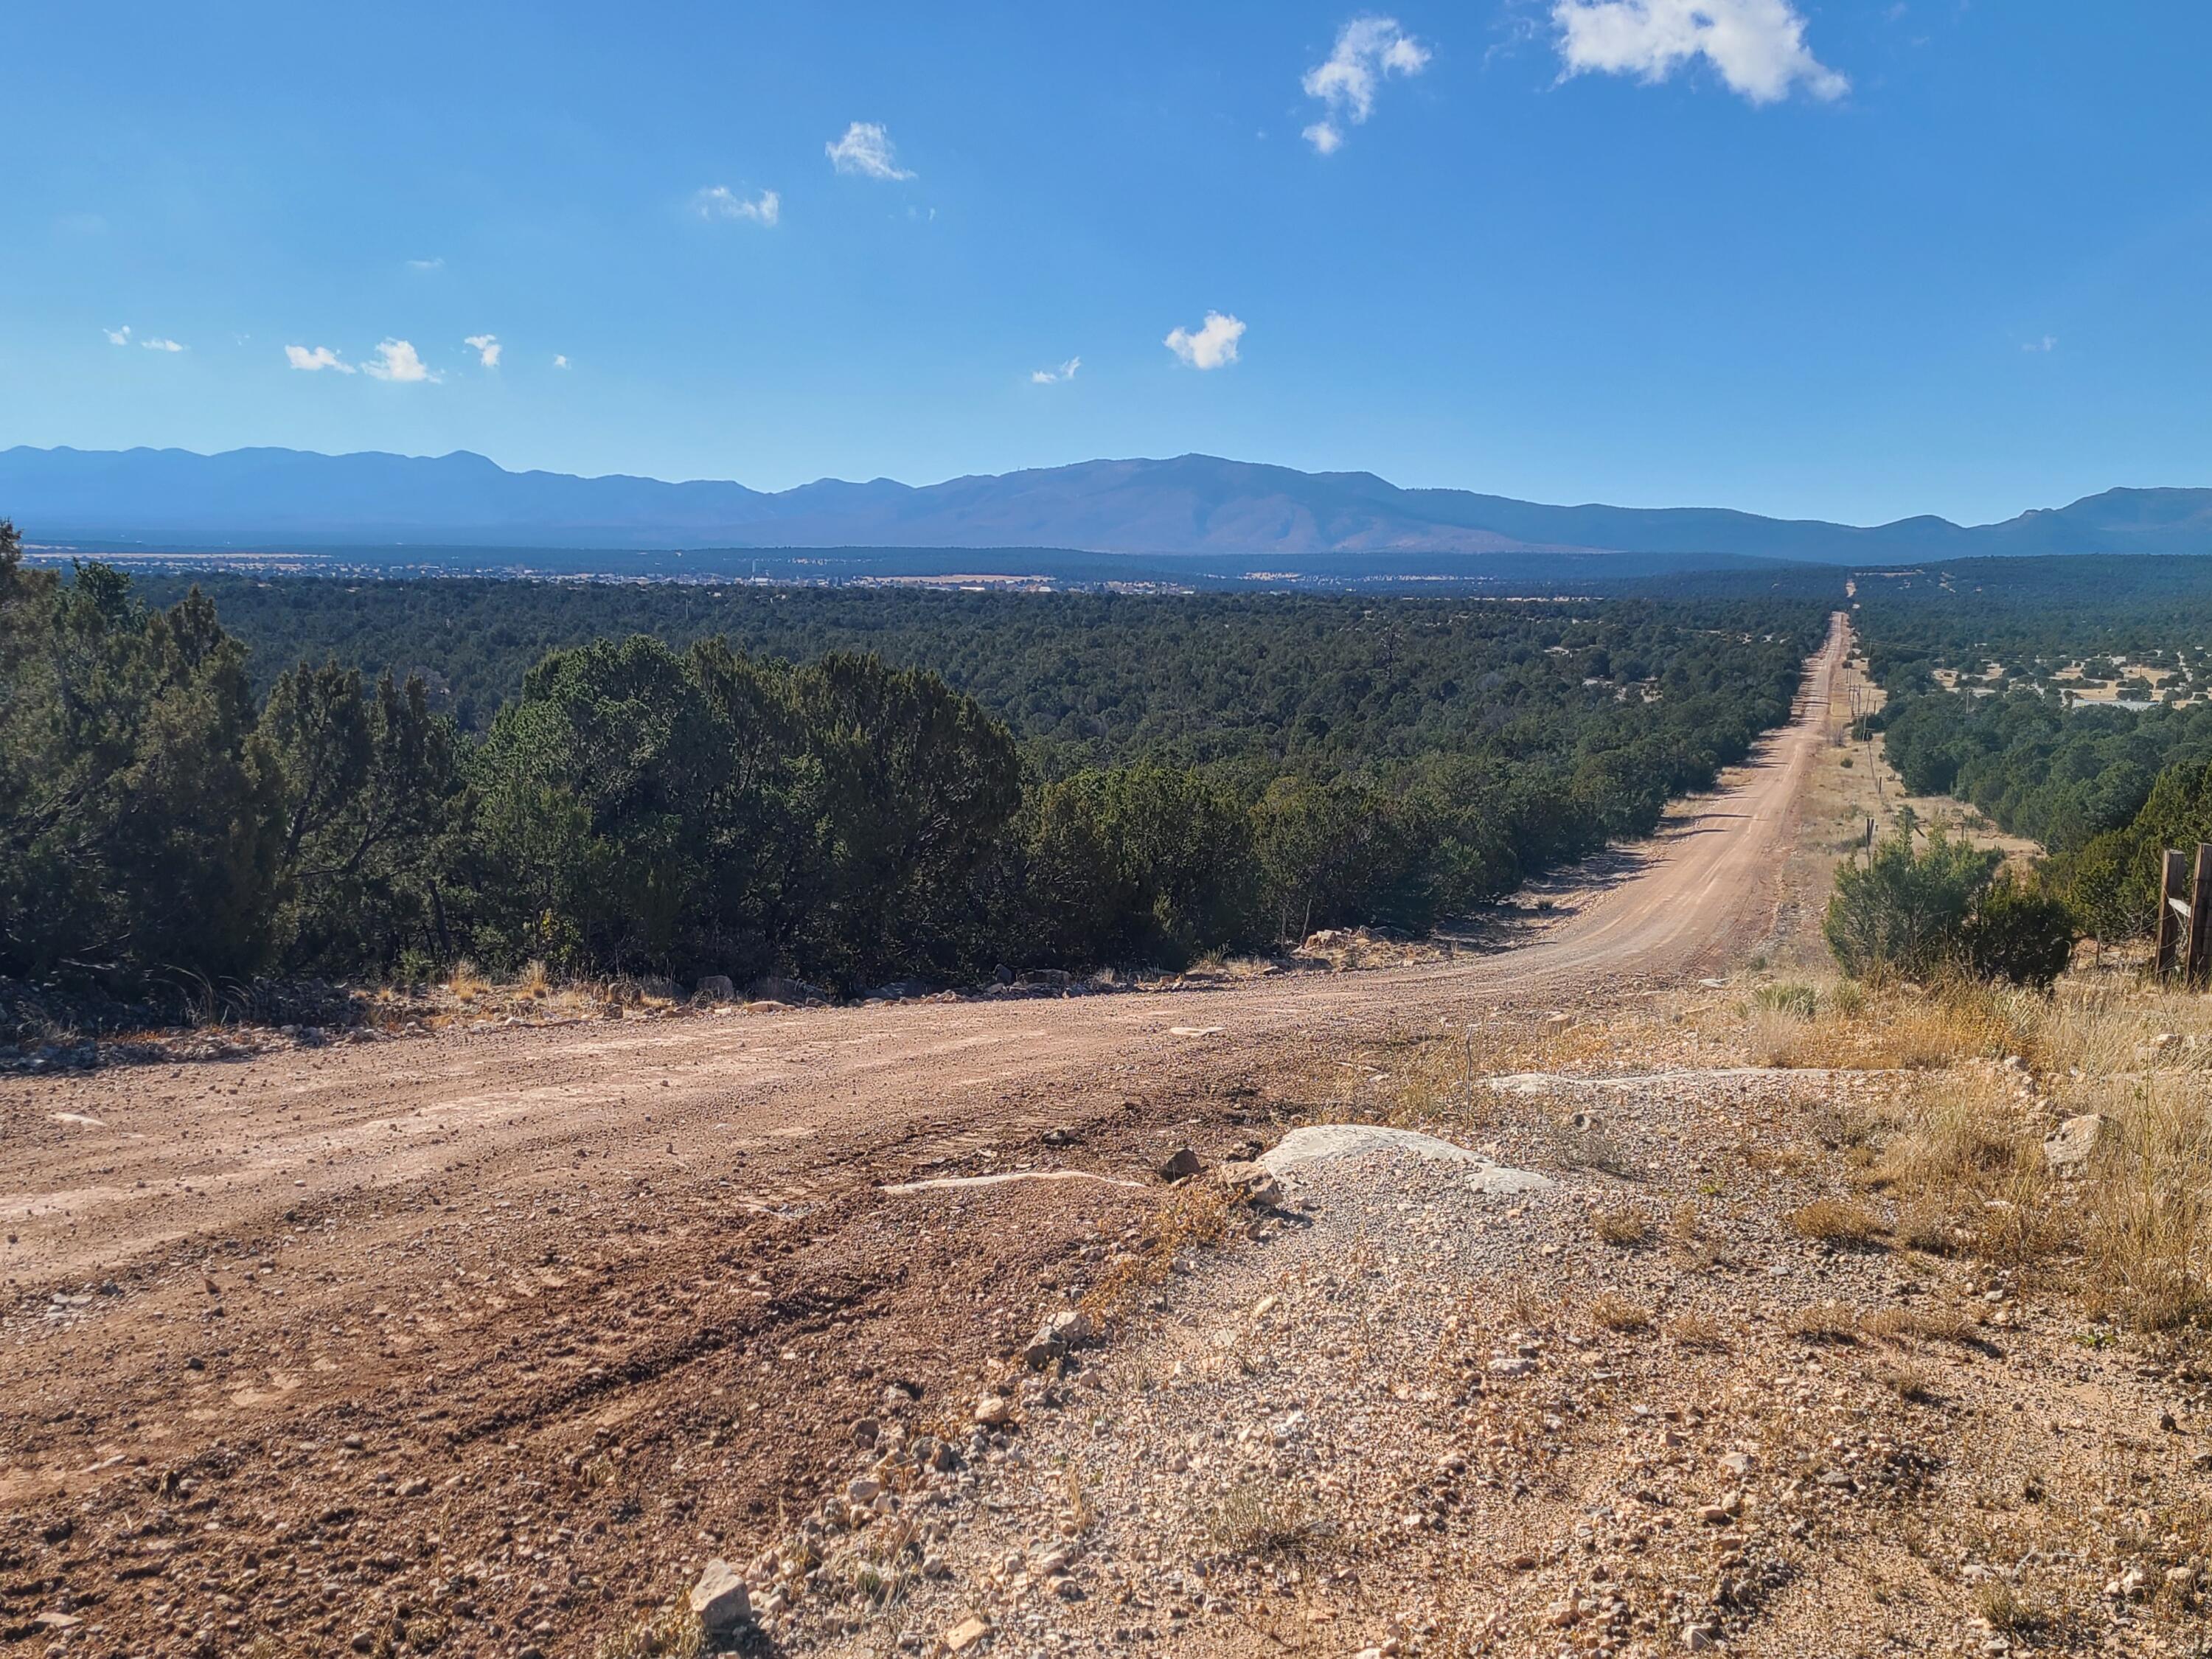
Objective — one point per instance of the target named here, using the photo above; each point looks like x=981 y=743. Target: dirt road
x=476 y=1340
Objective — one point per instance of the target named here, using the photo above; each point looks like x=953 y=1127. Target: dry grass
x=1195 y=1216
x=465 y=982
x=1697 y=1331
x=1618 y=1313
x=2148 y=1221
x=1963 y=1152
x=1830 y=1221
x=1906 y=1381
x=1825 y=1321
x=1623 y=1229
x=1260 y=1516
x=673 y=1632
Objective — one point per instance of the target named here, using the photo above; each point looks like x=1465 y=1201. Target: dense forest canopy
x=253 y=777
x=1261 y=683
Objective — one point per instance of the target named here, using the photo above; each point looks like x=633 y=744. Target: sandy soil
x=479 y=1342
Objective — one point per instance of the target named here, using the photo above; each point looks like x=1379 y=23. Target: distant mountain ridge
x=1192 y=504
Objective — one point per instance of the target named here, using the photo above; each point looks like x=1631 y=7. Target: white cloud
x=1214 y=344
x=487 y=348
x=320 y=358
x=1065 y=372
x=157 y=343
x=2048 y=343
x=436 y=263
x=560 y=360
x=1757 y=46
x=1368 y=49
x=866 y=149
x=395 y=360
x=720 y=202
x=117 y=336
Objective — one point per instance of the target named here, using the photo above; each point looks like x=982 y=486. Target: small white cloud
x=1050 y=376
x=560 y=360
x=1757 y=46
x=320 y=357
x=1368 y=50
x=436 y=263
x=1211 y=346
x=117 y=336
x=157 y=343
x=487 y=348
x=719 y=202
x=395 y=360
x=866 y=149
x=2048 y=343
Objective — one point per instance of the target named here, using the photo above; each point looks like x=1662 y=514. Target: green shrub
x=1902 y=911
x=2019 y=934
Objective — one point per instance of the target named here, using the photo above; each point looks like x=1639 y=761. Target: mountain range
x=1192 y=504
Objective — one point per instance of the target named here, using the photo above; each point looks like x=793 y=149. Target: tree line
x=704 y=805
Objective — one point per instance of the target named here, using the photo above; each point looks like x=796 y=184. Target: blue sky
x=1822 y=259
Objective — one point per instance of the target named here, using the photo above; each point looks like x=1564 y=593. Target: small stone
x=1251 y=1182
x=863 y=1489
x=1713 y=1515
x=1041 y=1352
x=2068 y=1148
x=414 y=1488
x=719 y=1599
x=993 y=1410
x=1071 y=1326
x=1182 y=1165
x=965 y=1634
x=1696 y=1637
x=865 y=1430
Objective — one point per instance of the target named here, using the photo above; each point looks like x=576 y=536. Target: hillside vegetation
x=2010 y=684
x=853 y=787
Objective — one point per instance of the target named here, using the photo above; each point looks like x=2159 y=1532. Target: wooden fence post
x=2199 y=960
x=2173 y=873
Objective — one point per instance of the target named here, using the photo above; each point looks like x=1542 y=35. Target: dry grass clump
x=2006 y=1611
x=465 y=982
x=1195 y=1216
x=673 y=1632
x=1965 y=1156
x=1697 y=1331
x=1830 y=1221
x=1906 y=1381
x=1900 y=1325
x=1617 y=1313
x=1260 y=1516
x=2148 y=1225
x=1914 y=1028
x=1623 y=1229
x=1825 y=1321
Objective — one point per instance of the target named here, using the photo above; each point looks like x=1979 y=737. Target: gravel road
x=436 y=1335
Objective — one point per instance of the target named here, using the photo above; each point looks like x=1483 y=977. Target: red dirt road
x=615 y=1292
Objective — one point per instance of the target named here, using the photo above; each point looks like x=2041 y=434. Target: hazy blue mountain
x=1192 y=504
